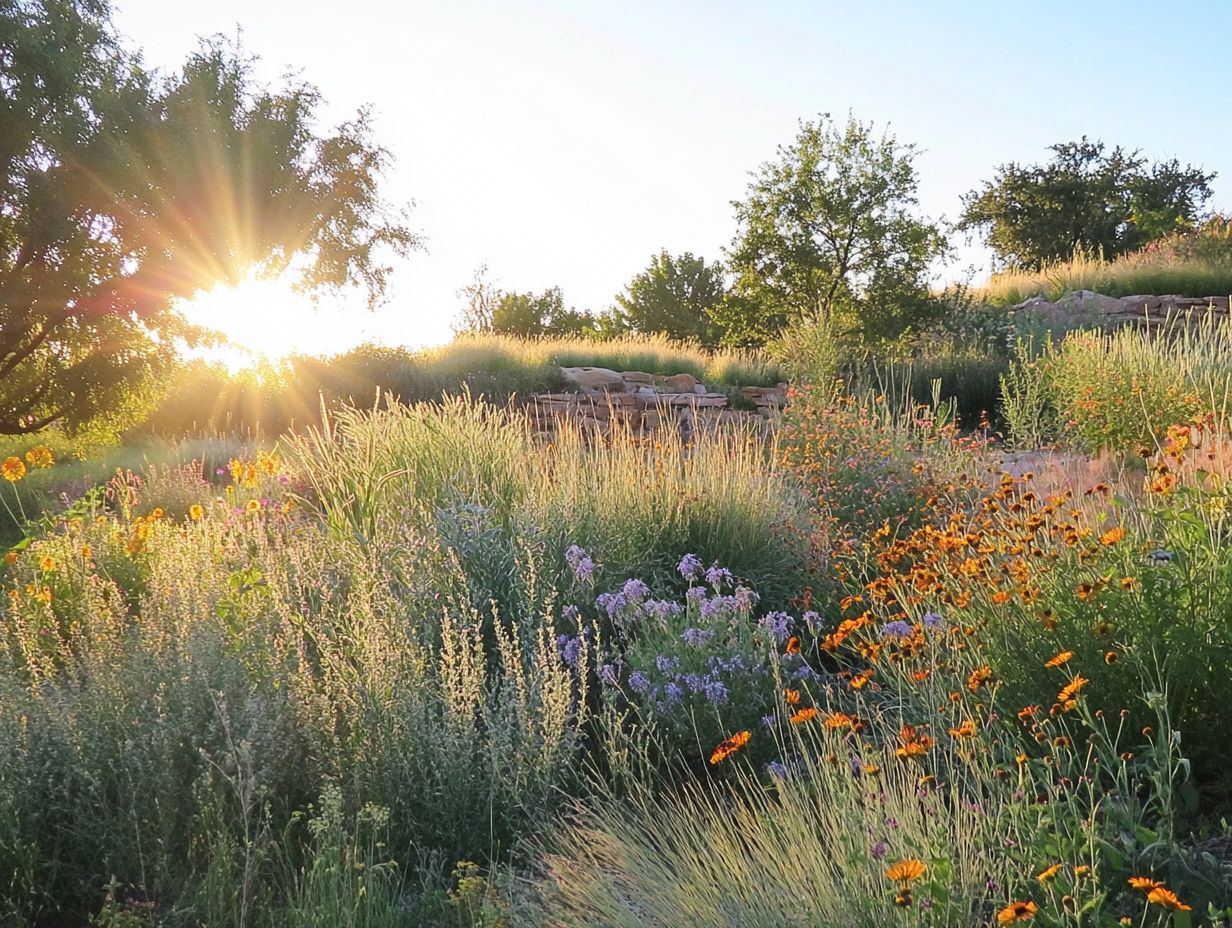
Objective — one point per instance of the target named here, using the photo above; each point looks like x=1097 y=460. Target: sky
x=565 y=143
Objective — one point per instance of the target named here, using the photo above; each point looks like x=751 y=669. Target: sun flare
x=266 y=320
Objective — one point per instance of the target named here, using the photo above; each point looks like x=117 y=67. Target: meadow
x=422 y=664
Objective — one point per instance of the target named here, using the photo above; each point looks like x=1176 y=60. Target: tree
x=674 y=297
x=122 y=190
x=531 y=315
x=828 y=231
x=1086 y=198
x=480 y=300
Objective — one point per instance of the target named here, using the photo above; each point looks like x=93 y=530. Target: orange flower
x=1062 y=658
x=1017 y=912
x=1112 y=536
x=1162 y=896
x=195 y=512
x=729 y=747
x=1048 y=873
x=841 y=720
x=40 y=456
x=1027 y=712
x=253 y=505
x=1071 y=689
x=966 y=730
x=803 y=715
x=978 y=678
x=906 y=870
x=791 y=697
x=1110 y=657
x=1144 y=883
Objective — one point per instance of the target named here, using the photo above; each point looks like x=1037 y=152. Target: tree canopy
x=122 y=190
x=676 y=297
x=1087 y=197
x=829 y=230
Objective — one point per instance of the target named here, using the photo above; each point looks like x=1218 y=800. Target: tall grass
x=1152 y=271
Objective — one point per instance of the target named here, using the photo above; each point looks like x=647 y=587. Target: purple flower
x=607 y=673
x=570 y=649
x=932 y=620
x=746 y=598
x=690 y=566
x=768 y=720
x=638 y=682
x=571 y=613
x=716 y=692
x=696 y=594
x=896 y=629
x=696 y=637
x=716 y=576
x=777 y=623
x=581 y=564
x=673 y=693
x=662 y=609
x=667 y=664
x=813 y=621
x=612 y=603
x=879 y=850
x=777 y=769
x=695 y=682
x=635 y=590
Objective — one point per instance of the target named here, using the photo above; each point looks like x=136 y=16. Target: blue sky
x=565 y=143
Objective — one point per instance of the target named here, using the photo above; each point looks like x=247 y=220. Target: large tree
x=122 y=190
x=536 y=315
x=1087 y=197
x=674 y=296
x=829 y=230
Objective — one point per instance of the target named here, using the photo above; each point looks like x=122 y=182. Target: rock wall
x=639 y=402
x=1137 y=310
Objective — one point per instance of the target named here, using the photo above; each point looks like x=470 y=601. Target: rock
x=593 y=379
x=678 y=383
x=638 y=377
x=700 y=388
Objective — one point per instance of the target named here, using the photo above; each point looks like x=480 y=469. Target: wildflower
x=634 y=590
x=638 y=682
x=716 y=576
x=47 y=563
x=40 y=456
x=716 y=692
x=1144 y=883
x=195 y=512
x=966 y=730
x=1027 y=712
x=730 y=746
x=1112 y=536
x=978 y=678
x=580 y=563
x=804 y=715
x=879 y=850
x=1166 y=898
x=793 y=645
x=906 y=870
x=777 y=769
x=13 y=469
x=1110 y=657
x=902 y=898
x=896 y=629
x=1048 y=873
x=253 y=505
x=607 y=673
x=932 y=620
x=1060 y=659
x=791 y=697
x=667 y=664
x=10 y=558
x=690 y=566
x=1017 y=912
x=1128 y=583
x=1082 y=871
x=1071 y=689
x=696 y=637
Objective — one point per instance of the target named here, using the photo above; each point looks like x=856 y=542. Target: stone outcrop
x=1146 y=310
x=603 y=399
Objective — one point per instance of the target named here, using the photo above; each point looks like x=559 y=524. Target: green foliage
x=529 y=315
x=100 y=164
x=674 y=297
x=1087 y=198
x=828 y=230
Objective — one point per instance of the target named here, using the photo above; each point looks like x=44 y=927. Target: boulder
x=593 y=379
x=678 y=383
x=637 y=377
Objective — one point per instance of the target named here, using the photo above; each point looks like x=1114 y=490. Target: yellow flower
x=966 y=730
x=253 y=505
x=13 y=469
x=10 y=558
x=804 y=715
x=906 y=870
x=86 y=551
x=1071 y=689
x=40 y=456
x=47 y=563
x=195 y=512
x=1060 y=659
x=1144 y=883
x=1048 y=873
x=1017 y=912
x=1112 y=536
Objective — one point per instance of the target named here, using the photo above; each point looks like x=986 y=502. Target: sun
x=264 y=321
